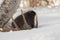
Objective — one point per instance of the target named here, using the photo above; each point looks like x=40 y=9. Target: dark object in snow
x=29 y=16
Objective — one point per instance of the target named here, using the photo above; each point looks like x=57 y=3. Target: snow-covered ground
x=49 y=26
x=43 y=33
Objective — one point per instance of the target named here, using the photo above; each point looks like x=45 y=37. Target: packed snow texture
x=48 y=27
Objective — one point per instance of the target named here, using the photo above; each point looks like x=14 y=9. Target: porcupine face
x=29 y=16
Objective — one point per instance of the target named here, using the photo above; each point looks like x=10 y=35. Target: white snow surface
x=48 y=27
x=43 y=33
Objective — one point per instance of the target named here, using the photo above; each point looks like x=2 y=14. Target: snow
x=49 y=26
x=43 y=33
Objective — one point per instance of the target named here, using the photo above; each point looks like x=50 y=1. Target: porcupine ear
x=36 y=21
